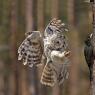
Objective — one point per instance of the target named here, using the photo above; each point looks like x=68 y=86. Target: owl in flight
x=53 y=46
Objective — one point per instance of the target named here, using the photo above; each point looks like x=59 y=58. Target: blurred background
x=20 y=16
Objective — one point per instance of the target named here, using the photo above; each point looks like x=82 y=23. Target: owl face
x=58 y=42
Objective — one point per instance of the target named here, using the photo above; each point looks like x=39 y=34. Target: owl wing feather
x=54 y=73
x=47 y=77
x=31 y=49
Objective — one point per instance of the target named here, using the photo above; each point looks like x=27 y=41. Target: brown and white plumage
x=56 y=51
x=53 y=47
x=31 y=49
x=54 y=73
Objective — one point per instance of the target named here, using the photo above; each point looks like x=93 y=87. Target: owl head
x=55 y=26
x=58 y=42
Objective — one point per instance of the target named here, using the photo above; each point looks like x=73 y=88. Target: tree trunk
x=40 y=15
x=56 y=90
x=74 y=44
x=55 y=14
x=13 y=46
x=24 y=87
x=31 y=20
x=93 y=44
x=2 y=88
x=71 y=12
x=55 y=8
x=93 y=82
x=29 y=16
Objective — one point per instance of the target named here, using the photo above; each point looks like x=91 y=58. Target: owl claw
x=67 y=53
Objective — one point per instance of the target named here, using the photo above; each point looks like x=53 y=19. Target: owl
x=53 y=47
x=57 y=54
x=55 y=26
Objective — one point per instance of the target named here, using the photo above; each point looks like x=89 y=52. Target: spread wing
x=55 y=26
x=48 y=77
x=56 y=69
x=31 y=49
x=53 y=74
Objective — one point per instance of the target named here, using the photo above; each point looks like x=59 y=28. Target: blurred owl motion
x=53 y=46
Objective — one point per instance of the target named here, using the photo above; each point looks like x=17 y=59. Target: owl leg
x=47 y=77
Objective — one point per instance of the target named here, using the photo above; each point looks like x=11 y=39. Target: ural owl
x=54 y=46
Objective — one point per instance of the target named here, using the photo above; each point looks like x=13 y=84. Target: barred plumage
x=54 y=48
x=31 y=49
x=55 y=26
x=48 y=76
x=56 y=51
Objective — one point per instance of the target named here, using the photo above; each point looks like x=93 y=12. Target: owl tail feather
x=47 y=77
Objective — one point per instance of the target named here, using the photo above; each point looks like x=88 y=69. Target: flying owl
x=53 y=46
x=56 y=52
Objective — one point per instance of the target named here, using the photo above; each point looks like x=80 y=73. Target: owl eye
x=57 y=42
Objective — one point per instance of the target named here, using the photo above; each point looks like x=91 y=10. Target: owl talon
x=67 y=54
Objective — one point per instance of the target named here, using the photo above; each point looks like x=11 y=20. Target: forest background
x=20 y=16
